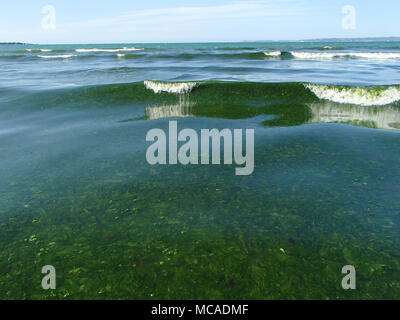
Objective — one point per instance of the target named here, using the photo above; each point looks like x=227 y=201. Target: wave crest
x=170 y=87
x=273 y=53
x=332 y=55
x=39 y=50
x=63 y=56
x=364 y=96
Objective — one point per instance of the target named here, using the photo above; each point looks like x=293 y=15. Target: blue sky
x=132 y=21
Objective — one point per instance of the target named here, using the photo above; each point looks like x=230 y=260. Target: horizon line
x=333 y=39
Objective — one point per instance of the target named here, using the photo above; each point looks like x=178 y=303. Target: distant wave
x=331 y=55
x=274 y=53
x=128 y=53
x=326 y=48
x=128 y=56
x=131 y=53
x=109 y=50
x=234 y=49
x=39 y=50
x=62 y=56
x=210 y=55
x=12 y=57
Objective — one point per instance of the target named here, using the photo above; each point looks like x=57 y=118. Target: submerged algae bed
x=85 y=201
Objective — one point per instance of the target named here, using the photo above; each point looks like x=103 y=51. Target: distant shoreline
x=367 y=39
x=14 y=43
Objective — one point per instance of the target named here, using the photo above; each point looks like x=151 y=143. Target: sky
x=133 y=21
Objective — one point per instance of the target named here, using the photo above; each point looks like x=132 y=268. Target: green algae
x=321 y=197
x=196 y=238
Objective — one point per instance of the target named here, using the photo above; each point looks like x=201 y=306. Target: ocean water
x=76 y=191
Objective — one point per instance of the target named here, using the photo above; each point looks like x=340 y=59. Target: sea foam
x=363 y=96
x=273 y=53
x=39 y=50
x=63 y=56
x=170 y=87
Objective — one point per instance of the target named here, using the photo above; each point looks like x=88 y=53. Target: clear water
x=77 y=193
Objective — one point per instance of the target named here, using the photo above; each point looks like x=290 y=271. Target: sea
x=77 y=193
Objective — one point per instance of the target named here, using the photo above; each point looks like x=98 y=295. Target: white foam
x=312 y=55
x=109 y=50
x=273 y=53
x=332 y=55
x=170 y=87
x=356 y=95
x=376 y=55
x=64 y=56
x=41 y=50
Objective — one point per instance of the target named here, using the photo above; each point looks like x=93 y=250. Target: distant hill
x=12 y=43
x=370 y=39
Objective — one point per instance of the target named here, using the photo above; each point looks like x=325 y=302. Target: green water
x=78 y=194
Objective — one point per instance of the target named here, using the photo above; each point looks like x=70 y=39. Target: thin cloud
x=180 y=14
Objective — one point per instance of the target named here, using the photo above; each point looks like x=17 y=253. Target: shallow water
x=76 y=191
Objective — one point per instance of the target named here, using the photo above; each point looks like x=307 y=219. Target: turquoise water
x=77 y=193
x=201 y=62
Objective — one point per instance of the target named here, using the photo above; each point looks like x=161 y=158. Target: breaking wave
x=39 y=50
x=364 y=96
x=61 y=56
x=170 y=87
x=305 y=55
x=222 y=93
x=333 y=55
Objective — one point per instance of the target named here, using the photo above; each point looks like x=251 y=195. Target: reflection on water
x=186 y=108
x=170 y=111
x=371 y=117
x=382 y=117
